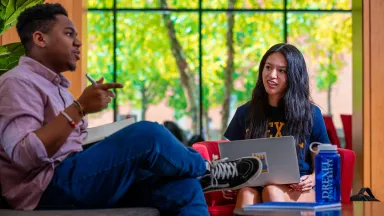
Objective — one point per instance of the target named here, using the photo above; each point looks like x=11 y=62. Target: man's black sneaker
x=230 y=175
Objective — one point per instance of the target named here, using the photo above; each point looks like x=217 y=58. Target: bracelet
x=80 y=108
x=69 y=119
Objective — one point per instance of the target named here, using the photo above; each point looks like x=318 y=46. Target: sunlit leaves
x=145 y=60
x=325 y=39
x=253 y=35
x=245 y=4
x=156 y=3
x=100 y=3
x=319 y=4
x=100 y=45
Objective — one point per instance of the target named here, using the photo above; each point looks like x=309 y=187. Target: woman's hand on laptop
x=307 y=183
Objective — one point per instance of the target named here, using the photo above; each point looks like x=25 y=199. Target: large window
x=194 y=62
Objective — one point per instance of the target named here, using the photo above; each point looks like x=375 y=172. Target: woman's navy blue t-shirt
x=239 y=125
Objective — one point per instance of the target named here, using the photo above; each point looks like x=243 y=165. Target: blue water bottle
x=327 y=171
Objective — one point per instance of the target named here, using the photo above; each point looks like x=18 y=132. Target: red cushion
x=347 y=126
x=347 y=160
x=207 y=149
x=224 y=210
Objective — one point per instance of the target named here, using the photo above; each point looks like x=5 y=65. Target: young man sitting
x=42 y=128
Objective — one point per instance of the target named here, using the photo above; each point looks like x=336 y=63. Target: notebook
x=292 y=206
x=96 y=134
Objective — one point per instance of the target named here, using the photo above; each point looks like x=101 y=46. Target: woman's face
x=275 y=75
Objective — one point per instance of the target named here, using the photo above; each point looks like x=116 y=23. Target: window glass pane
x=326 y=42
x=100 y=57
x=244 y=4
x=160 y=85
x=253 y=34
x=320 y=4
x=160 y=76
x=100 y=4
x=183 y=4
x=157 y=3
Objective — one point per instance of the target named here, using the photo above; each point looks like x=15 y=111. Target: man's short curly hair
x=40 y=17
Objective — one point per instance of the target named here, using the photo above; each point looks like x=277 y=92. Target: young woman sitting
x=281 y=106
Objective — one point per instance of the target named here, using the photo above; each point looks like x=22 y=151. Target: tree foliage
x=319 y=4
x=149 y=65
x=325 y=39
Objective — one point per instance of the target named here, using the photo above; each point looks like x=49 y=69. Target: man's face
x=62 y=46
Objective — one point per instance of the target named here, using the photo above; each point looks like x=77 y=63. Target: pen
x=94 y=83
x=90 y=79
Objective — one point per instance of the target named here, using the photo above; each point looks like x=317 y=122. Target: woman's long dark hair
x=296 y=101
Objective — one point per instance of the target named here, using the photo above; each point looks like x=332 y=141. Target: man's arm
x=54 y=134
x=93 y=99
x=21 y=114
x=22 y=133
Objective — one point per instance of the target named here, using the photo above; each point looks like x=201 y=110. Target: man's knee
x=145 y=126
x=153 y=131
x=147 y=135
x=143 y=129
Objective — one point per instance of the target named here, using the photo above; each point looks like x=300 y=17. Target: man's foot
x=230 y=175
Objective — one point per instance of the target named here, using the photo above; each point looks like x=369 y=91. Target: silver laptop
x=279 y=157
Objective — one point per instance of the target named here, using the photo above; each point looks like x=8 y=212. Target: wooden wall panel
x=10 y=36
x=366 y=74
x=77 y=13
x=377 y=98
x=368 y=115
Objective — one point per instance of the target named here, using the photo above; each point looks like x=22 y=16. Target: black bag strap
x=369 y=192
